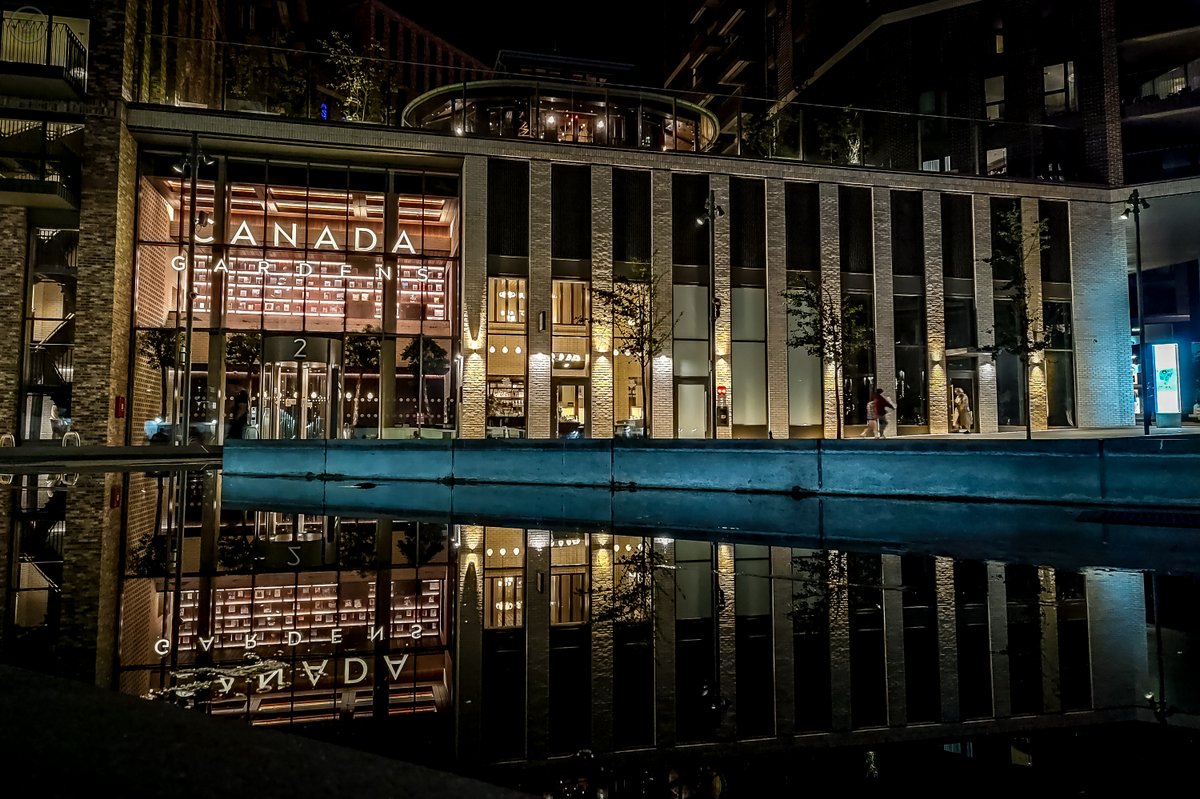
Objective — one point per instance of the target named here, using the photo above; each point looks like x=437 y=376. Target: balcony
x=41 y=58
x=39 y=163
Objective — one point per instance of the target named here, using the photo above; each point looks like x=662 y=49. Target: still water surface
x=577 y=643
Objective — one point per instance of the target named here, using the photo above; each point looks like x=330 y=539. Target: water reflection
x=562 y=643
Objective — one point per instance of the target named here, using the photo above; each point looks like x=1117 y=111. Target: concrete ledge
x=1125 y=471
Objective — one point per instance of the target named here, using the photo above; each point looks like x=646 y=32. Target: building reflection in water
x=506 y=643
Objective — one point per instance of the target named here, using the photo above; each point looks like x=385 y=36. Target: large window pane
x=691 y=311
x=749 y=384
x=912 y=407
x=960 y=322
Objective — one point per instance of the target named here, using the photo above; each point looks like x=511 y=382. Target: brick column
x=537 y=642
x=1051 y=674
x=662 y=423
x=727 y=642
x=783 y=641
x=1039 y=407
x=602 y=336
x=1100 y=317
x=893 y=640
x=105 y=280
x=468 y=672
x=997 y=604
x=947 y=634
x=885 y=317
x=14 y=295
x=722 y=329
x=602 y=645
x=538 y=410
x=935 y=313
x=985 y=313
x=831 y=280
x=87 y=632
x=1120 y=662
x=664 y=643
x=839 y=640
x=472 y=415
x=777 y=316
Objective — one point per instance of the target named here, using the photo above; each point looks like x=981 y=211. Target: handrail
x=42 y=42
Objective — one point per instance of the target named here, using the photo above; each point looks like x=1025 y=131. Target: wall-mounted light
x=541 y=321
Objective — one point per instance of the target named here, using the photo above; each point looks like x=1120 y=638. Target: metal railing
x=44 y=42
x=40 y=150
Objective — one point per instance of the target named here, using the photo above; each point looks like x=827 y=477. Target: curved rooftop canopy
x=564 y=112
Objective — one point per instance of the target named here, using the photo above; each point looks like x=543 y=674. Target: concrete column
x=985 y=313
x=664 y=643
x=662 y=423
x=472 y=414
x=831 y=280
x=839 y=640
x=1051 y=673
x=997 y=603
x=468 y=664
x=727 y=639
x=777 y=316
x=91 y=546
x=885 y=316
x=947 y=633
x=935 y=313
x=1038 y=401
x=105 y=280
x=783 y=642
x=893 y=640
x=602 y=336
x=538 y=411
x=14 y=294
x=1100 y=316
x=602 y=645
x=723 y=327
x=1116 y=610
x=537 y=642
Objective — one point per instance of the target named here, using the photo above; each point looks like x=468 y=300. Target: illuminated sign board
x=1166 y=378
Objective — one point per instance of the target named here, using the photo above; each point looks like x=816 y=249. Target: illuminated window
x=1058 y=86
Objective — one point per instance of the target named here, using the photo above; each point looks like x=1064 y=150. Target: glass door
x=691 y=409
x=571 y=404
x=301 y=395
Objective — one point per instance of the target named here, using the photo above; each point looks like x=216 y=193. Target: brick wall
x=89 y=583
x=727 y=638
x=1039 y=406
x=14 y=241
x=935 y=312
x=985 y=314
x=602 y=339
x=831 y=282
x=539 y=405
x=662 y=421
x=473 y=412
x=777 y=317
x=947 y=634
x=885 y=317
x=1099 y=86
x=722 y=329
x=1100 y=317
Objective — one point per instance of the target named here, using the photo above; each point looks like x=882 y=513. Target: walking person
x=882 y=405
x=240 y=415
x=962 y=412
x=872 y=427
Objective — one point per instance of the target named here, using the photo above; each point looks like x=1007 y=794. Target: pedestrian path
x=1070 y=433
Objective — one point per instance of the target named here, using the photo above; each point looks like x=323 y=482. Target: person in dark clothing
x=240 y=415
x=882 y=405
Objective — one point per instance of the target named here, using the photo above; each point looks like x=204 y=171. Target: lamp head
x=1125 y=214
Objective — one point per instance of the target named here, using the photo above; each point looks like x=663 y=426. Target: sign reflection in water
x=593 y=637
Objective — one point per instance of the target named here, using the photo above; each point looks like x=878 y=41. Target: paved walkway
x=1072 y=433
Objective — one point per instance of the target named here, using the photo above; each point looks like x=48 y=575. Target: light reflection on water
x=469 y=626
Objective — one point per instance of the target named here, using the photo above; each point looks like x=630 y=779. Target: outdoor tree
x=358 y=75
x=641 y=327
x=425 y=357
x=771 y=135
x=362 y=354
x=827 y=327
x=842 y=139
x=1021 y=335
x=160 y=347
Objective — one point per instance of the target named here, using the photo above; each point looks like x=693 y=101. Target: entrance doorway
x=571 y=409
x=691 y=408
x=302 y=386
x=962 y=373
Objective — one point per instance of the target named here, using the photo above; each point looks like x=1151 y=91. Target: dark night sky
x=616 y=30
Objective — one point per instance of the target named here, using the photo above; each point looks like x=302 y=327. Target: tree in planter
x=641 y=329
x=160 y=347
x=362 y=353
x=829 y=328
x=1022 y=337
x=357 y=77
x=425 y=357
x=771 y=135
x=842 y=140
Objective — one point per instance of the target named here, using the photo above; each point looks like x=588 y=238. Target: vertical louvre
x=1056 y=259
x=689 y=240
x=570 y=208
x=508 y=207
x=957 y=236
x=802 y=215
x=854 y=212
x=908 y=234
x=747 y=228
x=631 y=215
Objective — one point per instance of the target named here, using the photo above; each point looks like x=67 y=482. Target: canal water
x=649 y=644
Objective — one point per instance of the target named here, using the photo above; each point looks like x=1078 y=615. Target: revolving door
x=302 y=387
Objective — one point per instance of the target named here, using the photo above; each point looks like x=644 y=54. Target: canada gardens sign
x=362 y=240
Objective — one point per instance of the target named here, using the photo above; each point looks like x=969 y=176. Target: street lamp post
x=1134 y=205
x=711 y=212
